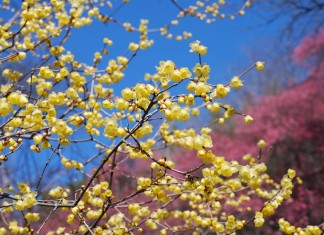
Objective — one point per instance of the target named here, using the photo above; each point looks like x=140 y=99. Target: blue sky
x=227 y=40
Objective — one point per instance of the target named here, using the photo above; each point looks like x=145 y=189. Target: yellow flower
x=258 y=219
x=133 y=46
x=248 y=119
x=259 y=65
x=291 y=173
x=198 y=48
x=221 y=91
x=261 y=144
x=236 y=82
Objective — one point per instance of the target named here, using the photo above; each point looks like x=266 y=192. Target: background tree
x=301 y=17
x=294 y=139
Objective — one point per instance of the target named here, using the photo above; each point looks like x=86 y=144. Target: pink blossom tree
x=292 y=124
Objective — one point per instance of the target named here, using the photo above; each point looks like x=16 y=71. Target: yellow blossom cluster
x=14 y=228
x=95 y=197
x=58 y=192
x=287 y=228
x=207 y=11
x=198 y=48
x=32 y=217
x=167 y=72
x=27 y=200
x=71 y=164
